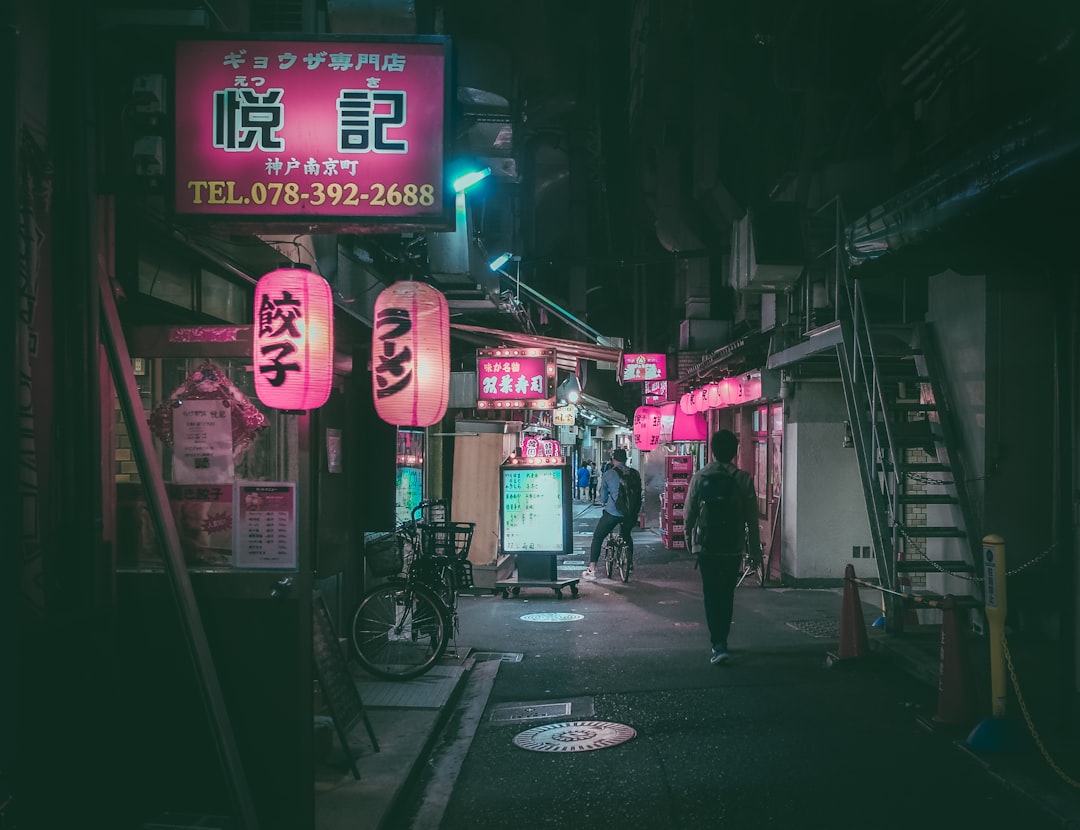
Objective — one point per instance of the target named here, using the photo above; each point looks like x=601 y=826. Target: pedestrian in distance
x=611 y=517
x=583 y=481
x=593 y=482
x=721 y=519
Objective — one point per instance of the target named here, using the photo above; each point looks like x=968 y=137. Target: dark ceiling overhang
x=1003 y=167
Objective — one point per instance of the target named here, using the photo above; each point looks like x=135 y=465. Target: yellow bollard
x=996 y=608
x=995 y=733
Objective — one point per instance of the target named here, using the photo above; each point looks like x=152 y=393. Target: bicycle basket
x=449 y=539
x=384 y=555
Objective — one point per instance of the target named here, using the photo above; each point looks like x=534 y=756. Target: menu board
x=536 y=507
x=264 y=518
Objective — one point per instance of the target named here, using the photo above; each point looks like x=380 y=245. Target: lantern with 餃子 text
x=293 y=347
x=410 y=354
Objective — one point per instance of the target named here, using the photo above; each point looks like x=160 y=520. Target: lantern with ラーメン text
x=410 y=354
x=293 y=348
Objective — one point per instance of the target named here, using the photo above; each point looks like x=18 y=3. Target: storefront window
x=229 y=465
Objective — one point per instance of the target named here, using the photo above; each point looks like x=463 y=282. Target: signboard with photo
x=642 y=367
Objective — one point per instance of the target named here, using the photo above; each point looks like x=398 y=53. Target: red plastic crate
x=679 y=465
x=675 y=510
x=676 y=491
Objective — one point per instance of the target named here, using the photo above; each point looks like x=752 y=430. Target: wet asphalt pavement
x=776 y=738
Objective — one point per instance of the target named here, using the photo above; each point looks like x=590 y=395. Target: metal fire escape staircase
x=902 y=430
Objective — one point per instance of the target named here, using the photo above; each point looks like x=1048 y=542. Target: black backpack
x=628 y=499
x=721 y=522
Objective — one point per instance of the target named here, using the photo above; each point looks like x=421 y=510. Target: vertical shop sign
x=340 y=129
x=265 y=525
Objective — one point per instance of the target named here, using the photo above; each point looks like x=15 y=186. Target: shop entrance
x=235 y=477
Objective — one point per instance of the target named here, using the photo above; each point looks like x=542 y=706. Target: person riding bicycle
x=611 y=518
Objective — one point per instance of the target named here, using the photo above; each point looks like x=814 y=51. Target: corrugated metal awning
x=748 y=352
x=568 y=352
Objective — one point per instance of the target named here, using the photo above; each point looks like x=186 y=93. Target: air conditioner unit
x=768 y=248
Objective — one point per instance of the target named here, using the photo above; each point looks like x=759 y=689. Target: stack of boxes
x=677 y=472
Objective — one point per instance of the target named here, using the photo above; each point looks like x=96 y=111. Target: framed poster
x=264 y=521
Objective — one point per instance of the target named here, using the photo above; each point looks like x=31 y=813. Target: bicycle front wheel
x=624 y=560
x=609 y=557
x=399 y=630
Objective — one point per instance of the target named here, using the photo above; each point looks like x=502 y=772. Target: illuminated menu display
x=533 y=509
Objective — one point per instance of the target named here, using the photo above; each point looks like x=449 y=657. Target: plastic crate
x=673 y=527
x=676 y=510
x=676 y=491
x=679 y=465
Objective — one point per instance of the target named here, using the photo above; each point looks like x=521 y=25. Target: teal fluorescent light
x=467 y=180
x=500 y=261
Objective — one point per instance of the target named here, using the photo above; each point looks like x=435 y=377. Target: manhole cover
x=553 y=617
x=542 y=710
x=574 y=736
x=816 y=628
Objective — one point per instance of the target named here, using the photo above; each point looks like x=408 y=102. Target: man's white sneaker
x=589 y=574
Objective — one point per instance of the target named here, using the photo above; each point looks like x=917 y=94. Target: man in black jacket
x=719 y=551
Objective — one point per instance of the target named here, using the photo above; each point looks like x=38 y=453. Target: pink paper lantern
x=727 y=392
x=410 y=354
x=646 y=428
x=712 y=395
x=293 y=348
x=686 y=403
x=701 y=401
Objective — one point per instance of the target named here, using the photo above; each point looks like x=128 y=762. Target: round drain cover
x=574 y=736
x=553 y=617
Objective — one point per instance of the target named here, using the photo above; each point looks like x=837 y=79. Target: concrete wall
x=956 y=315
x=824 y=514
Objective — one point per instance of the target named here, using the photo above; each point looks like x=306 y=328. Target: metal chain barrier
x=921 y=554
x=1072 y=782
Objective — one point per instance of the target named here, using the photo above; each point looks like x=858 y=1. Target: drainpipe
x=1000 y=167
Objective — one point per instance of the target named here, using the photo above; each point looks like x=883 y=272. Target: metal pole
x=175 y=568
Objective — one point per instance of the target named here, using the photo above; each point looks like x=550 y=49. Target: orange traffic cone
x=853 y=641
x=956 y=691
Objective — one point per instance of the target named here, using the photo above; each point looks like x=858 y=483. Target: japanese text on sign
x=304 y=116
x=532 y=510
x=393 y=365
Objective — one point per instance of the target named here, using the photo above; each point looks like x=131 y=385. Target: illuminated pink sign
x=328 y=129
x=515 y=378
x=642 y=367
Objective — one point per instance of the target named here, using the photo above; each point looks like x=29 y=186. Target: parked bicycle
x=616 y=556
x=403 y=625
